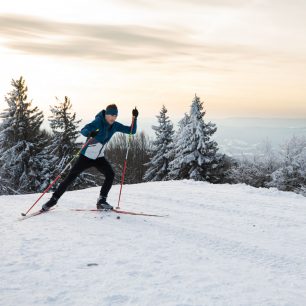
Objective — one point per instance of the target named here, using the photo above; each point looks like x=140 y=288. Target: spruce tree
x=195 y=153
x=291 y=175
x=63 y=145
x=175 y=165
x=65 y=131
x=255 y=170
x=20 y=141
x=158 y=167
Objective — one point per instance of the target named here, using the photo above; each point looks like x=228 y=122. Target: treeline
x=284 y=169
x=31 y=156
x=191 y=153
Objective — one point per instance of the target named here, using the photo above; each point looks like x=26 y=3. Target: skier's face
x=110 y=118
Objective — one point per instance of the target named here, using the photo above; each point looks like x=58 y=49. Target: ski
x=36 y=213
x=137 y=213
x=121 y=212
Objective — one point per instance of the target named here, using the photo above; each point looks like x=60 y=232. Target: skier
x=101 y=130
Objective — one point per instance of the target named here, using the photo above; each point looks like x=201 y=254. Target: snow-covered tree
x=20 y=141
x=255 y=170
x=65 y=132
x=4 y=183
x=158 y=167
x=195 y=153
x=291 y=175
x=63 y=145
x=176 y=158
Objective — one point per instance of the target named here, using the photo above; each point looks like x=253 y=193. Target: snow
x=221 y=245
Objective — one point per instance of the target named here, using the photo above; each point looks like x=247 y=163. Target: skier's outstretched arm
x=126 y=128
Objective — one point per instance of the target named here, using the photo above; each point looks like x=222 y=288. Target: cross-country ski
x=118 y=211
x=36 y=213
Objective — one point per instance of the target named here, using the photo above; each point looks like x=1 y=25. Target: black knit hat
x=111 y=110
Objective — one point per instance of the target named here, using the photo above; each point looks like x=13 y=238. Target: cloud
x=203 y=3
x=38 y=36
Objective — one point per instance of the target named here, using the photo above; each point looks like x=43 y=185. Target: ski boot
x=49 y=204
x=102 y=204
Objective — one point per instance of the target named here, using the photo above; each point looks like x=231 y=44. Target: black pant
x=82 y=164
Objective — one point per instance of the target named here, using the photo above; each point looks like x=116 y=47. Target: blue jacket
x=98 y=144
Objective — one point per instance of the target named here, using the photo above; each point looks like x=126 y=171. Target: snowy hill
x=220 y=245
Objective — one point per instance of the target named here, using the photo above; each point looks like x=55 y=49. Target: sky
x=243 y=58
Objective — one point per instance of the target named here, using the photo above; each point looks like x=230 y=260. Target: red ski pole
x=58 y=177
x=125 y=161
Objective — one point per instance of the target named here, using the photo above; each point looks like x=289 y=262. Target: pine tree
x=4 y=183
x=195 y=153
x=20 y=141
x=291 y=175
x=255 y=170
x=175 y=165
x=65 y=129
x=158 y=167
x=63 y=145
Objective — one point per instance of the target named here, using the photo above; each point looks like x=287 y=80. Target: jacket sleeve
x=88 y=128
x=127 y=128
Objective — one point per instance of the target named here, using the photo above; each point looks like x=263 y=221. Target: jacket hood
x=101 y=116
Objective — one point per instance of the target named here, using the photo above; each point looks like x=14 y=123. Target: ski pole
x=125 y=161
x=58 y=177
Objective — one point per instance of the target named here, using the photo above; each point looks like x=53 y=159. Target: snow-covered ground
x=220 y=245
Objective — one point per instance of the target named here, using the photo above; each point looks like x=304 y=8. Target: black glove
x=135 y=112
x=93 y=133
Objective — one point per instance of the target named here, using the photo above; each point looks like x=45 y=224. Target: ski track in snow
x=221 y=245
